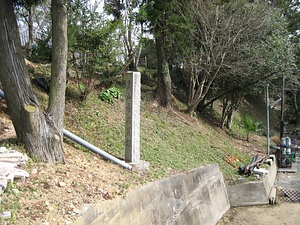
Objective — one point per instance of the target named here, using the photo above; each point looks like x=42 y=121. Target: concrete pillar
x=132 y=117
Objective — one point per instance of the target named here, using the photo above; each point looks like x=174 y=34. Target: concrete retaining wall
x=253 y=193
x=195 y=197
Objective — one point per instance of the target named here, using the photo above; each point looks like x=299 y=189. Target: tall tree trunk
x=131 y=54
x=235 y=101
x=56 y=106
x=34 y=128
x=163 y=89
x=30 y=28
x=296 y=108
x=225 y=102
x=230 y=119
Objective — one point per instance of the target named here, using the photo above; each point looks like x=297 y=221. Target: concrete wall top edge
x=188 y=196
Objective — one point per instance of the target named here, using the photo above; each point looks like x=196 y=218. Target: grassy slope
x=170 y=140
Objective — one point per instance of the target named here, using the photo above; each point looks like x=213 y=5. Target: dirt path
x=278 y=214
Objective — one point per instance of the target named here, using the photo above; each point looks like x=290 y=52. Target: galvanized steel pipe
x=89 y=146
x=94 y=149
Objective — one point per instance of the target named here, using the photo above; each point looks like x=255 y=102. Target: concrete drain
x=289 y=195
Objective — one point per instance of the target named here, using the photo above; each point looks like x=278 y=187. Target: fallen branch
x=227 y=159
x=181 y=117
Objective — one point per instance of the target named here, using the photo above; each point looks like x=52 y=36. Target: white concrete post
x=132 y=117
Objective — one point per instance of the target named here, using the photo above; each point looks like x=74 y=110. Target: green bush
x=41 y=52
x=109 y=95
x=250 y=125
x=115 y=92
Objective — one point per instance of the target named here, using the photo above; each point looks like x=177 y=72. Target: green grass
x=170 y=142
x=166 y=141
x=9 y=202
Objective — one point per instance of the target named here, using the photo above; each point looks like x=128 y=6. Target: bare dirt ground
x=278 y=214
x=57 y=194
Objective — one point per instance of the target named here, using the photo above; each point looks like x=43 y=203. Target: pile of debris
x=254 y=166
x=12 y=164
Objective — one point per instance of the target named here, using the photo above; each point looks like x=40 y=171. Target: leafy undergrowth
x=171 y=141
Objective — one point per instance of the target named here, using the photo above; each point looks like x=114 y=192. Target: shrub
x=109 y=95
x=250 y=125
x=41 y=52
